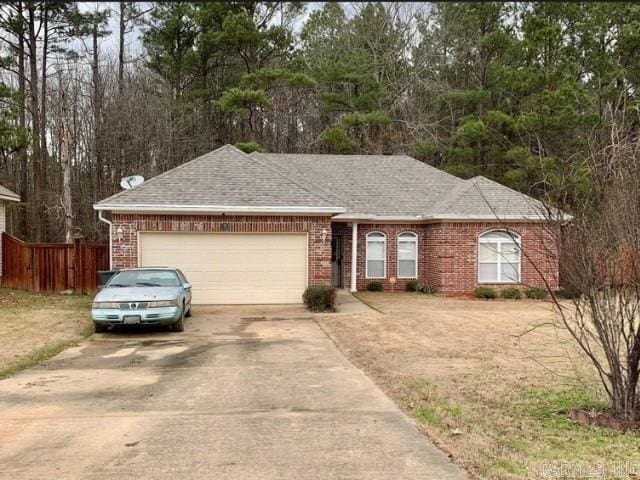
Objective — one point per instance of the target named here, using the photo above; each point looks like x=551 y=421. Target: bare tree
x=601 y=266
x=22 y=118
x=34 y=109
x=65 y=159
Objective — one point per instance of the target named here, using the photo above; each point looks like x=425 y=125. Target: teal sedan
x=143 y=296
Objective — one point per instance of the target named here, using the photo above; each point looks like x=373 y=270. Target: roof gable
x=480 y=197
x=225 y=179
x=8 y=195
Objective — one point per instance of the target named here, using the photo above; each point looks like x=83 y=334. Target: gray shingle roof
x=351 y=186
x=383 y=185
x=6 y=194
x=401 y=186
x=223 y=178
x=480 y=197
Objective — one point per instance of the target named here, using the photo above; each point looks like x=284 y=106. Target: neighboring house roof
x=6 y=194
x=352 y=187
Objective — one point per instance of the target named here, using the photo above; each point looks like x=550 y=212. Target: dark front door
x=336 y=262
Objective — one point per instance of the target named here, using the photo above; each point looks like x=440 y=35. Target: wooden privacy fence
x=52 y=267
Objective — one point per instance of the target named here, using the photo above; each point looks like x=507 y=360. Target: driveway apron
x=242 y=394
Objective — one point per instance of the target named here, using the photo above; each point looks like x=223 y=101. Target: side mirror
x=186 y=286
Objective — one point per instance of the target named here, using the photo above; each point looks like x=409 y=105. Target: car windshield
x=145 y=278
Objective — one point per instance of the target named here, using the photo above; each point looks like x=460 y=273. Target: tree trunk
x=97 y=114
x=121 y=38
x=35 y=222
x=119 y=100
x=43 y=105
x=633 y=374
x=22 y=124
x=43 y=89
x=65 y=157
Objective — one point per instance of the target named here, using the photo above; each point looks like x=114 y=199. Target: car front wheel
x=100 y=328
x=179 y=325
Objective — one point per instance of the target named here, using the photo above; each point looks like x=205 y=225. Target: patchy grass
x=34 y=327
x=39 y=355
x=492 y=383
x=507 y=466
x=429 y=415
x=552 y=407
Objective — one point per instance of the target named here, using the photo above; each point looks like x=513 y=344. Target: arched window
x=499 y=257
x=376 y=255
x=408 y=255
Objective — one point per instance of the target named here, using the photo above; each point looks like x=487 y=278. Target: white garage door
x=236 y=268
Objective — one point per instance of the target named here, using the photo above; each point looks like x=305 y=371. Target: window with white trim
x=499 y=257
x=376 y=255
x=408 y=255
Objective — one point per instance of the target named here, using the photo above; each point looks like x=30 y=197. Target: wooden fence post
x=32 y=266
x=79 y=245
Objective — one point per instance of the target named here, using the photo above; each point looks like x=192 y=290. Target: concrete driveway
x=243 y=393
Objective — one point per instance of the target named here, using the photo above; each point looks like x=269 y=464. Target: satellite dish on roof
x=132 y=181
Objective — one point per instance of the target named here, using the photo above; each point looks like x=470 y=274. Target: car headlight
x=105 y=305
x=163 y=303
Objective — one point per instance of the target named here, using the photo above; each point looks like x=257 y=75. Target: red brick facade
x=447 y=254
x=127 y=226
x=452 y=248
x=391 y=231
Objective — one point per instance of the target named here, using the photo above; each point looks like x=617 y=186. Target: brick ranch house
x=259 y=228
x=6 y=196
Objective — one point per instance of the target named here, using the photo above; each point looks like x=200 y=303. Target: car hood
x=135 y=294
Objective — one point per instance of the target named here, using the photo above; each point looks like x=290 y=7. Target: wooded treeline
x=519 y=92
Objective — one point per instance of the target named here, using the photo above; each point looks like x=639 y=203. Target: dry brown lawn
x=491 y=382
x=35 y=326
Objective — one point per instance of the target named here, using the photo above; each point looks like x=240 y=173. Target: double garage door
x=232 y=268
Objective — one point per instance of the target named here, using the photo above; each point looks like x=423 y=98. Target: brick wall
x=447 y=254
x=391 y=231
x=125 y=245
x=452 y=251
